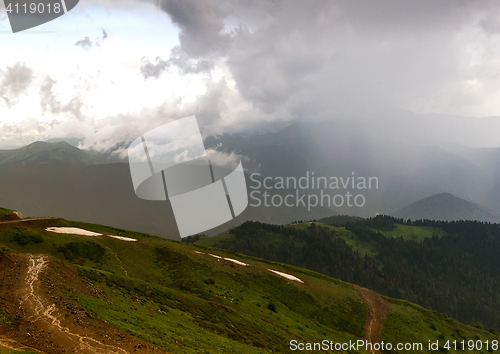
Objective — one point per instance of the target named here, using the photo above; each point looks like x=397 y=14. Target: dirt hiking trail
x=379 y=309
x=41 y=311
x=34 y=296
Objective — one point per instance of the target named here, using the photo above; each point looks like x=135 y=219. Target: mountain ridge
x=449 y=267
x=40 y=152
x=446 y=207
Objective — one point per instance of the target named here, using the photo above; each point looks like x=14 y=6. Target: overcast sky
x=111 y=70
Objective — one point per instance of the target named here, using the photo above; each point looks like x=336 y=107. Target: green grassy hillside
x=451 y=267
x=185 y=299
x=414 y=233
x=5 y=212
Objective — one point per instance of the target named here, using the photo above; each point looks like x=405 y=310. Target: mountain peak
x=447 y=207
x=45 y=144
x=41 y=152
x=445 y=197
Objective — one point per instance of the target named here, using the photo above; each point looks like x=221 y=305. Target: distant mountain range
x=409 y=160
x=60 y=179
x=39 y=153
x=412 y=156
x=446 y=207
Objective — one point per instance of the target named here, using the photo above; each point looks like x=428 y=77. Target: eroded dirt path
x=379 y=309
x=118 y=259
x=37 y=295
x=11 y=344
x=42 y=311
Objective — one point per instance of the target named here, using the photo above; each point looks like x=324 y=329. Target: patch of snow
x=227 y=259
x=72 y=231
x=123 y=238
x=284 y=275
x=235 y=261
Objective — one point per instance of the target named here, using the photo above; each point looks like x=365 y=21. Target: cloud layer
x=320 y=58
x=240 y=66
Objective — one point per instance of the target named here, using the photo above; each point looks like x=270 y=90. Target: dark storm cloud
x=271 y=63
x=203 y=37
x=406 y=15
x=14 y=81
x=295 y=59
x=491 y=23
x=318 y=57
x=50 y=103
x=201 y=24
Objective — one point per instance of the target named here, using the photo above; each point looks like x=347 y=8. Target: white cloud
x=239 y=67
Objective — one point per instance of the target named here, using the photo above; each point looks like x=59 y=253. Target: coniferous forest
x=455 y=271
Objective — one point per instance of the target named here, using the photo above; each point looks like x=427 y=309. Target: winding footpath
x=11 y=344
x=378 y=312
x=118 y=259
x=39 y=309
